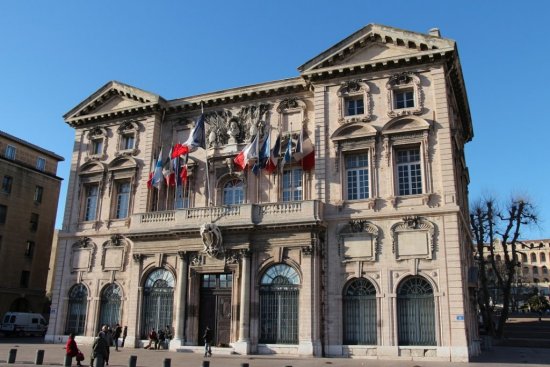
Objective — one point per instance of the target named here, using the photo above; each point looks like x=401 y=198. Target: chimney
x=435 y=32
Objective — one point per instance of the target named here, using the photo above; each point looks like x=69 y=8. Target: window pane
x=292 y=184
x=10 y=152
x=91 y=202
x=97 y=146
x=409 y=172
x=354 y=106
x=123 y=200
x=233 y=192
x=357 y=174
x=6 y=184
x=40 y=164
x=38 y=191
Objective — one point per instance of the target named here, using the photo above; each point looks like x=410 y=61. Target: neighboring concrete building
x=28 y=206
x=365 y=254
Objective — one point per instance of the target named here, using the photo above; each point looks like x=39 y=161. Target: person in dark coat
x=100 y=348
x=118 y=331
x=153 y=338
x=207 y=337
x=124 y=335
x=72 y=348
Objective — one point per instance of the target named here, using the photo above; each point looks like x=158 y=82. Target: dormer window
x=404 y=92
x=354 y=101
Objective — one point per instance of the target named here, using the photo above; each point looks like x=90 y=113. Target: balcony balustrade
x=244 y=215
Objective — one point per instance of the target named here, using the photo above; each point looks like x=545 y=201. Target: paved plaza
x=54 y=356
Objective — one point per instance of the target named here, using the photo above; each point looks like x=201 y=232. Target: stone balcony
x=233 y=216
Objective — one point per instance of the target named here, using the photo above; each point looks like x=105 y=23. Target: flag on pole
x=249 y=152
x=305 y=152
x=263 y=155
x=197 y=137
x=178 y=150
x=288 y=153
x=157 y=174
x=273 y=160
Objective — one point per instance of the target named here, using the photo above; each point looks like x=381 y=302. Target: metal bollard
x=39 y=357
x=99 y=361
x=132 y=361
x=244 y=364
x=205 y=363
x=11 y=356
x=68 y=361
x=167 y=362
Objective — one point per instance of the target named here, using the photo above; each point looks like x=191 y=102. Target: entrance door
x=215 y=307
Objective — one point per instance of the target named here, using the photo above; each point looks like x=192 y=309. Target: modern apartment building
x=28 y=207
x=361 y=249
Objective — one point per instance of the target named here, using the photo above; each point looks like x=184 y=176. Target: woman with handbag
x=72 y=349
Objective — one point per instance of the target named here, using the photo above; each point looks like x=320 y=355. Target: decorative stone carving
x=253 y=117
x=83 y=254
x=413 y=238
x=137 y=258
x=233 y=131
x=216 y=128
x=358 y=241
x=307 y=250
x=212 y=240
x=114 y=253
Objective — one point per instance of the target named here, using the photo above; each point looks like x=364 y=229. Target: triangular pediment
x=113 y=97
x=377 y=43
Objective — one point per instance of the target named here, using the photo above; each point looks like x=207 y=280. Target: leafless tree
x=494 y=231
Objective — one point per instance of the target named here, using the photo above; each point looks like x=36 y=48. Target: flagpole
x=258 y=160
x=208 y=198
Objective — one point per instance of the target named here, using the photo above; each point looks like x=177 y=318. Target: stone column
x=181 y=302
x=243 y=344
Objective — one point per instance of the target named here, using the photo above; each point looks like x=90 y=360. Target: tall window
x=355 y=106
x=233 y=192
x=38 y=193
x=182 y=196
x=292 y=184
x=533 y=258
x=542 y=257
x=409 y=173
x=279 y=293
x=7 y=182
x=360 y=313
x=127 y=141
x=158 y=301
x=415 y=312
x=92 y=195
x=357 y=173
x=76 y=311
x=109 y=313
x=29 y=250
x=34 y=222
x=97 y=146
x=123 y=200
x=3 y=214
x=40 y=164
x=10 y=152
x=25 y=277
x=403 y=98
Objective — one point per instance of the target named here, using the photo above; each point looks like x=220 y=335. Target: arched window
x=76 y=311
x=544 y=269
x=524 y=258
x=279 y=292
x=415 y=312
x=533 y=258
x=360 y=313
x=542 y=257
x=535 y=270
x=233 y=192
x=110 y=305
x=158 y=301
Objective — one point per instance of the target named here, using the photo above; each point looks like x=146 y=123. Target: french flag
x=273 y=160
x=196 y=140
x=305 y=152
x=249 y=152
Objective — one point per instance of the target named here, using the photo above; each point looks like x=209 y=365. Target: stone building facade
x=366 y=254
x=28 y=205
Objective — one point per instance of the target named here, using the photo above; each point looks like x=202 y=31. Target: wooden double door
x=215 y=307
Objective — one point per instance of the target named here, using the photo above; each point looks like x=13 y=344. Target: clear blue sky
x=54 y=54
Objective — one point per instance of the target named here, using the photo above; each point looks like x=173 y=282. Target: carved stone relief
x=413 y=238
x=358 y=241
x=83 y=255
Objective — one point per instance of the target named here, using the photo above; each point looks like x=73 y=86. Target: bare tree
x=498 y=231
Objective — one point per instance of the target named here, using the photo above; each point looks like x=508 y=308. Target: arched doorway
x=158 y=301
x=76 y=310
x=415 y=312
x=109 y=313
x=359 y=311
x=279 y=293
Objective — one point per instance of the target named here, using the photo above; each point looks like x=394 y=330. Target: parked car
x=23 y=323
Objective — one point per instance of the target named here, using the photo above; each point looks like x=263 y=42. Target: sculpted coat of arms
x=212 y=240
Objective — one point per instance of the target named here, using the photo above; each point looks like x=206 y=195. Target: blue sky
x=54 y=54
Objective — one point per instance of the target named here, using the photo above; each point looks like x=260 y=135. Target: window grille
x=76 y=310
x=415 y=312
x=110 y=305
x=360 y=313
x=158 y=301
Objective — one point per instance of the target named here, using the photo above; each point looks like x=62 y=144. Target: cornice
x=126 y=112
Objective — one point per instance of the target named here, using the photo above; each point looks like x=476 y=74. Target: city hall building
x=366 y=252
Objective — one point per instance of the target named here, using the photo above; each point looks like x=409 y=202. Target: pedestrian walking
x=72 y=349
x=118 y=332
x=100 y=351
x=207 y=337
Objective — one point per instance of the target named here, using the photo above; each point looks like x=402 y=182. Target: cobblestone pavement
x=54 y=356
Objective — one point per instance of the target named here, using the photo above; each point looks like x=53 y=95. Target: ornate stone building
x=28 y=204
x=366 y=254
